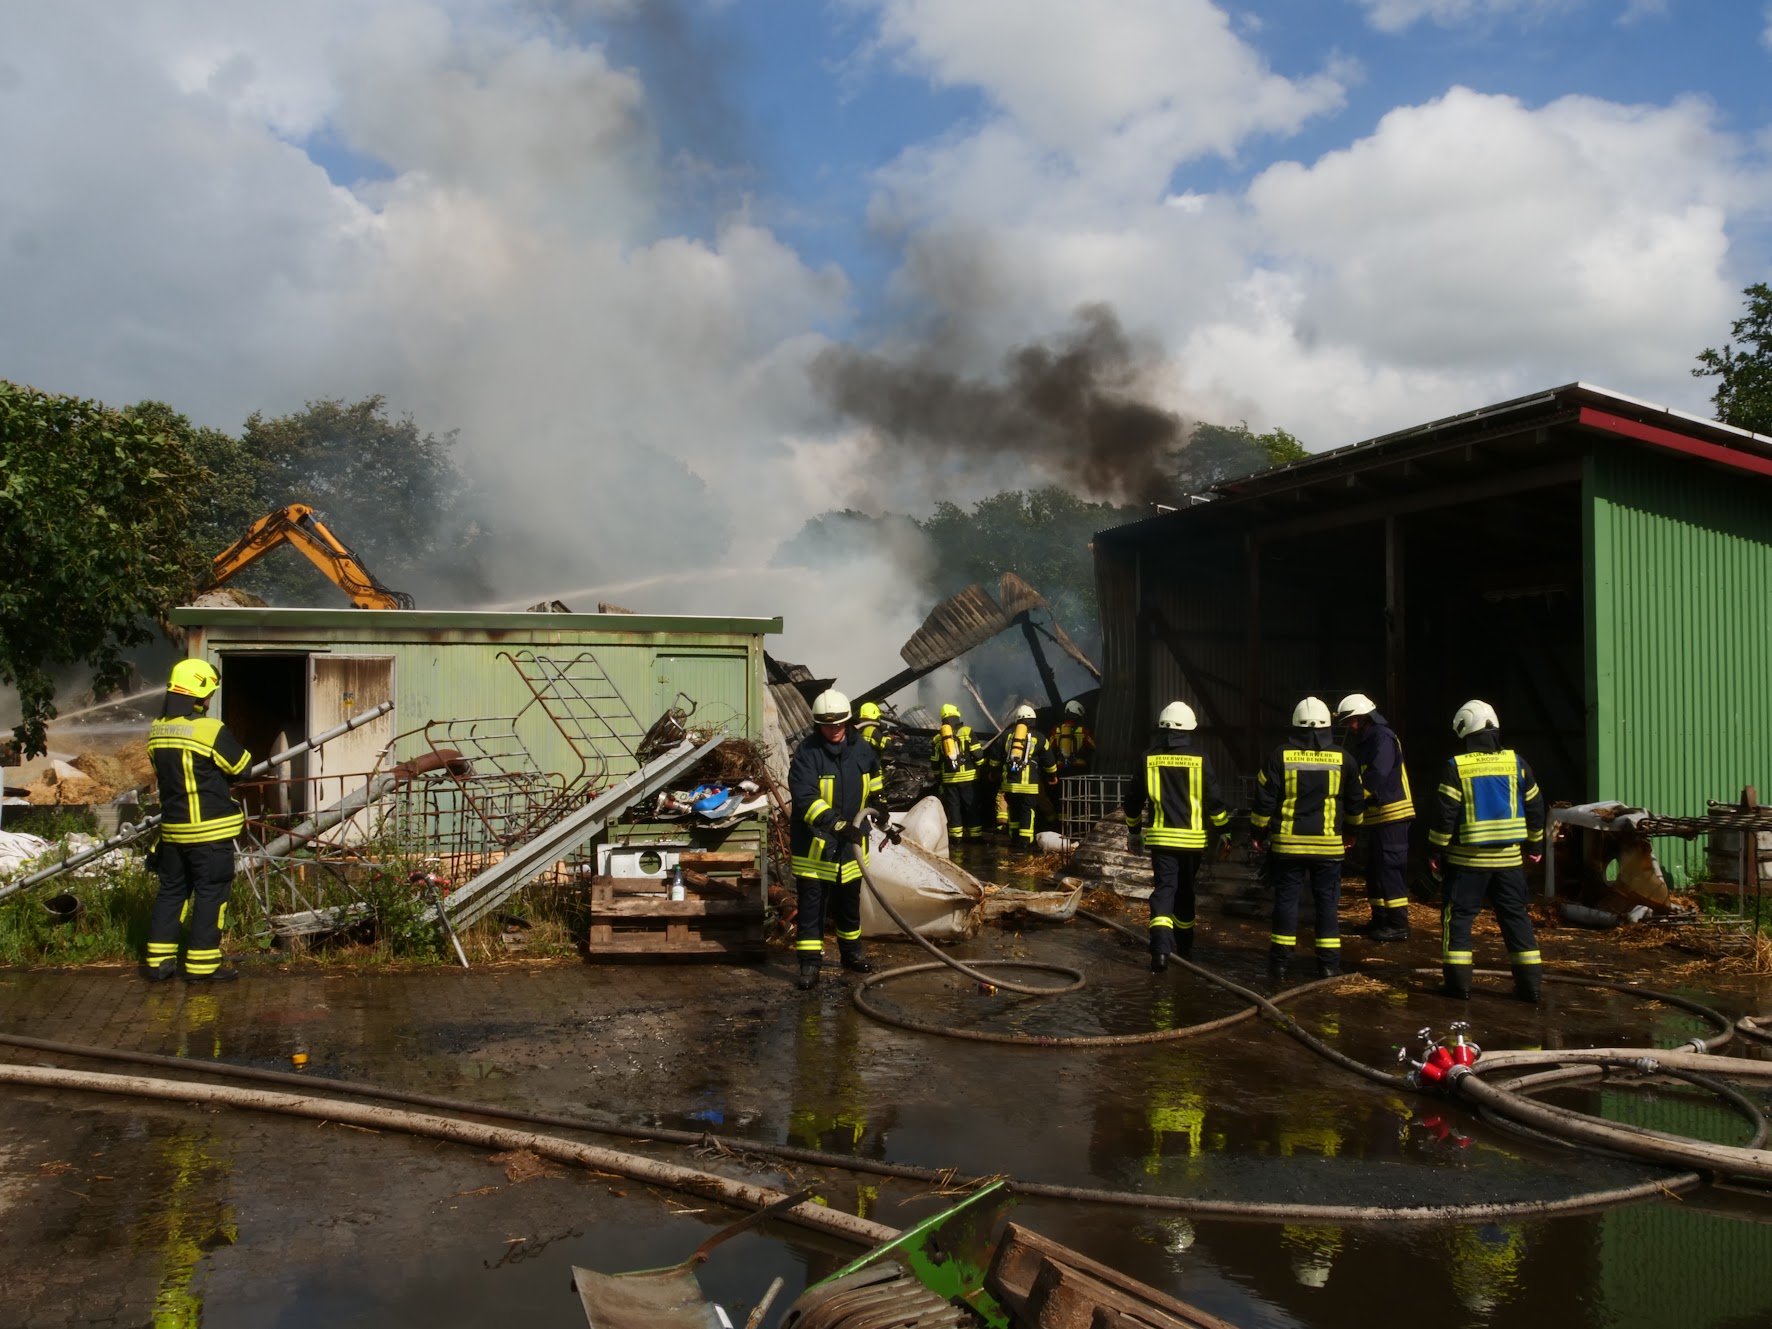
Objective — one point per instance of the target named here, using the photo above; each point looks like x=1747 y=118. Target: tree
x=94 y=512
x=1217 y=453
x=1744 y=377
x=391 y=492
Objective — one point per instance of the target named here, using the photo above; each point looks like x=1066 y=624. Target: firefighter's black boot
x=1456 y=981
x=855 y=962
x=160 y=973
x=1328 y=964
x=1276 y=969
x=1528 y=983
x=221 y=974
x=808 y=978
x=1184 y=943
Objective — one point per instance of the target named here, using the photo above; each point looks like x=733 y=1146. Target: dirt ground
x=118 y=1212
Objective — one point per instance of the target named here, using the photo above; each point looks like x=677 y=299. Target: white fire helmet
x=1177 y=715
x=1074 y=707
x=1310 y=713
x=830 y=707
x=1473 y=717
x=1023 y=712
x=1355 y=703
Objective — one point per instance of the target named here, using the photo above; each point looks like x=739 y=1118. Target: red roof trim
x=1667 y=438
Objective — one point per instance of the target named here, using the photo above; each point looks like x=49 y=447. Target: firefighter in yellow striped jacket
x=1489 y=806
x=1028 y=768
x=1390 y=808
x=1182 y=795
x=1308 y=802
x=196 y=759
x=954 y=756
x=833 y=775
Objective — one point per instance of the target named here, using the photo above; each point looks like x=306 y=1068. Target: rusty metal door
x=339 y=687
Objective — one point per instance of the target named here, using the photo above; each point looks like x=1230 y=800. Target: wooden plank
x=714 y=858
x=663 y=907
x=1023 y=1258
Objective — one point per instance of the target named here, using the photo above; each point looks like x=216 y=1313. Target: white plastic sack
x=925 y=825
x=18 y=849
x=942 y=901
x=1050 y=842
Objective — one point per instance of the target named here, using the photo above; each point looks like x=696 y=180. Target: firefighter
x=1308 y=802
x=834 y=774
x=1389 y=810
x=195 y=760
x=867 y=724
x=1028 y=768
x=1488 y=806
x=1073 y=742
x=954 y=758
x=1182 y=795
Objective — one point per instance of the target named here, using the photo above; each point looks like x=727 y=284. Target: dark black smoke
x=1075 y=408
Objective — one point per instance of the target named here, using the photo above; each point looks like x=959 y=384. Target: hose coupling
x=1647 y=1065
x=1698 y=1045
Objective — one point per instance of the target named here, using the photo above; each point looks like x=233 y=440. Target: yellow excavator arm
x=298 y=525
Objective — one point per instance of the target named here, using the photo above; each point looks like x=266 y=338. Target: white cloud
x=161 y=235
x=1164 y=78
x=1397 y=15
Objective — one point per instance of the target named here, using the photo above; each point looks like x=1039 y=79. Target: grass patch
x=111 y=924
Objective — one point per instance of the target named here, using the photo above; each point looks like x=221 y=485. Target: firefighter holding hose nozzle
x=834 y=775
x=1489 y=806
x=1182 y=795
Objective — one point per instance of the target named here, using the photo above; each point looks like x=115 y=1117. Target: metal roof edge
x=423 y=620
x=1685 y=417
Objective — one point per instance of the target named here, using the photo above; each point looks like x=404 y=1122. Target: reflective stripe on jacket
x=1489 y=804
x=829 y=785
x=1074 y=744
x=1028 y=761
x=196 y=759
x=1382 y=773
x=955 y=754
x=1309 y=795
x=1182 y=794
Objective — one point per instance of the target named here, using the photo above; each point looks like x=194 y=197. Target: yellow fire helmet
x=194 y=678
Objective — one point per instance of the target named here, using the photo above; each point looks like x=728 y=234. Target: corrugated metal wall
x=1679 y=632
x=1119 y=723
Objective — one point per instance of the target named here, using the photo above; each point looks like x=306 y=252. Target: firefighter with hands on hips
x=1029 y=768
x=1308 y=803
x=1389 y=811
x=1488 y=807
x=955 y=758
x=1073 y=742
x=1179 y=790
x=833 y=776
x=196 y=759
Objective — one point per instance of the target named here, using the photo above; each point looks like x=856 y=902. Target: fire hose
x=709 y=1185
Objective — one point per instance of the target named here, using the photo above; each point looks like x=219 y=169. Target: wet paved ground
x=121 y=1213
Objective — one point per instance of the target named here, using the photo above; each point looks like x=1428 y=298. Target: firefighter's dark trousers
x=957 y=800
x=981 y=807
x=1292 y=877
x=1172 y=901
x=1505 y=889
x=1387 y=874
x=842 y=900
x=195 y=882
x=1023 y=810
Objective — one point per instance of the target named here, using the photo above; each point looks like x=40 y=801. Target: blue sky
x=608 y=241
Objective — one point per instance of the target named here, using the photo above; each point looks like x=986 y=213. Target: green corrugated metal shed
x=1598 y=567
x=459 y=666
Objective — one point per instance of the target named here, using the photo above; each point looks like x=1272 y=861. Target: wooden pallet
x=723 y=914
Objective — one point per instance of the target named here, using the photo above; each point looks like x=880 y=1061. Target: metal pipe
x=141 y=828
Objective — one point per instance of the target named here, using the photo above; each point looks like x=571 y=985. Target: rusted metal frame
x=1171 y=639
x=1047 y=678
